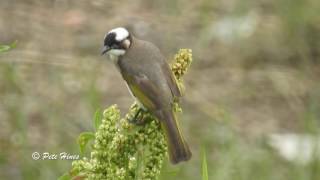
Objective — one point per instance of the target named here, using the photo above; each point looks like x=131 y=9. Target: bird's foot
x=138 y=118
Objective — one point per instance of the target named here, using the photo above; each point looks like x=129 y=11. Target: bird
x=151 y=82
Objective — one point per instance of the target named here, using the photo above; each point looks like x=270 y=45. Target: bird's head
x=116 y=42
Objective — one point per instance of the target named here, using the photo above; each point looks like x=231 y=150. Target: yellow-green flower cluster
x=180 y=65
x=182 y=61
x=125 y=151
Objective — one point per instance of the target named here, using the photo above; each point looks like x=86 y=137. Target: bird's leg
x=138 y=121
x=133 y=120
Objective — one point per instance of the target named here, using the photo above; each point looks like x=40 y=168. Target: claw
x=138 y=121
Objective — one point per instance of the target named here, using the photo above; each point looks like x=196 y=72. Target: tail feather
x=177 y=146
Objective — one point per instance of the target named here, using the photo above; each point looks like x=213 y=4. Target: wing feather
x=144 y=90
x=171 y=80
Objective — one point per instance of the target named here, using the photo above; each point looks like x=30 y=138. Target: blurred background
x=254 y=82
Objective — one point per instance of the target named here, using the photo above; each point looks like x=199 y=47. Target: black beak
x=105 y=49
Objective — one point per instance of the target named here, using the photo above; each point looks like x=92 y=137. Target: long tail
x=178 y=148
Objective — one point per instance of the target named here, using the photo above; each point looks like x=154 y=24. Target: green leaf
x=5 y=48
x=204 y=166
x=97 y=118
x=13 y=45
x=65 y=176
x=83 y=140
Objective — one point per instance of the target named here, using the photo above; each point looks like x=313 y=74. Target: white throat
x=114 y=55
x=117 y=52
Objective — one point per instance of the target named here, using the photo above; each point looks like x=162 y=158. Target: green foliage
x=5 y=48
x=121 y=150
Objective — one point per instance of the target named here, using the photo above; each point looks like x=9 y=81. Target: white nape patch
x=121 y=33
x=126 y=43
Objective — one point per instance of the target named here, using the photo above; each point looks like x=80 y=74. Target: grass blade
x=83 y=140
x=97 y=118
x=204 y=165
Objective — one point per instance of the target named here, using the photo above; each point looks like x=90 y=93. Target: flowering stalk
x=125 y=151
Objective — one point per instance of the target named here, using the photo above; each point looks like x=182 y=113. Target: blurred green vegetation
x=256 y=72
